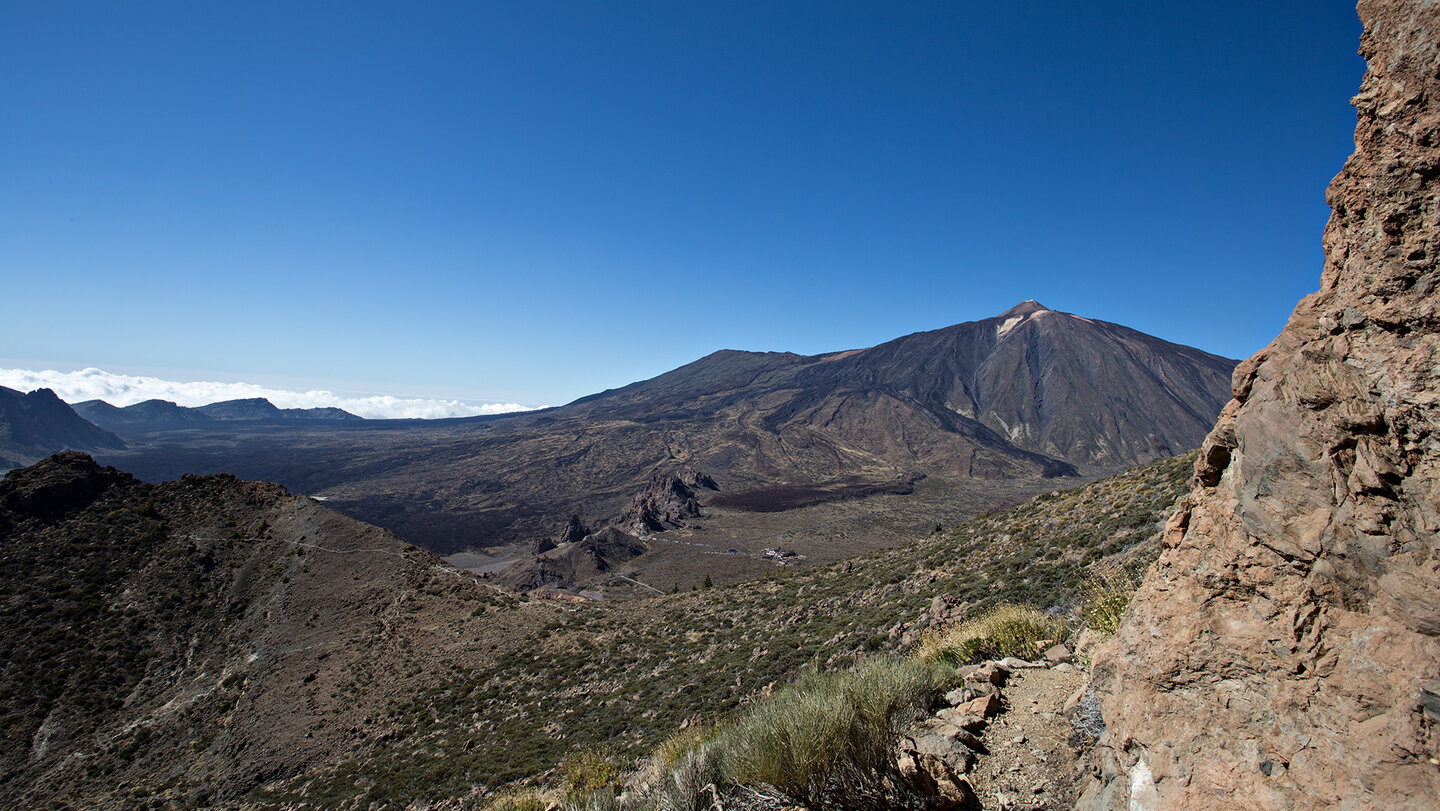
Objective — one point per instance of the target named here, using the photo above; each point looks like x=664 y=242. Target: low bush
x=519 y=800
x=680 y=776
x=590 y=772
x=1021 y=631
x=826 y=739
x=1105 y=597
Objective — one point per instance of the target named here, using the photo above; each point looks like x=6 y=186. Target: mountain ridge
x=163 y=413
x=202 y=636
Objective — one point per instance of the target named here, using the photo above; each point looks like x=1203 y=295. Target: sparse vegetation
x=631 y=673
x=522 y=799
x=528 y=683
x=588 y=772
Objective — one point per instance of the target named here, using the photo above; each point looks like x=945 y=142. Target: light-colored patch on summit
x=1007 y=326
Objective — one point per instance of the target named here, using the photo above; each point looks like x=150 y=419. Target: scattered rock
x=985 y=673
x=985 y=706
x=1036 y=758
x=1058 y=654
x=935 y=766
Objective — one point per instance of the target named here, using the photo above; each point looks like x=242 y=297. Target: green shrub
x=1005 y=630
x=675 y=747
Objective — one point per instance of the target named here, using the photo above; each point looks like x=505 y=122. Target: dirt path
x=1030 y=764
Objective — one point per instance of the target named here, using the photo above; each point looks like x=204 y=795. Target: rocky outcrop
x=666 y=502
x=573 y=564
x=573 y=532
x=1281 y=648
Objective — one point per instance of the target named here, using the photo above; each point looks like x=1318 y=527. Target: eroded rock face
x=1279 y=652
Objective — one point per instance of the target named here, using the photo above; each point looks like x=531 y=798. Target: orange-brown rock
x=1277 y=655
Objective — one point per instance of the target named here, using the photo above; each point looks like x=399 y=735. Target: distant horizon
x=123 y=390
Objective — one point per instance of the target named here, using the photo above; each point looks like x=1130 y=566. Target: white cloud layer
x=123 y=390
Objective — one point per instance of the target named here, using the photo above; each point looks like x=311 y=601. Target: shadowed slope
x=38 y=424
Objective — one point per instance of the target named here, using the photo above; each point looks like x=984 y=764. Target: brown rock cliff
x=1284 y=651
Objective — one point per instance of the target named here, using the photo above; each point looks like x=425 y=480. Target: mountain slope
x=218 y=643
x=1031 y=379
x=38 y=424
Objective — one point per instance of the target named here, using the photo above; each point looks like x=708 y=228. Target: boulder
x=1058 y=654
x=985 y=673
x=984 y=706
x=935 y=766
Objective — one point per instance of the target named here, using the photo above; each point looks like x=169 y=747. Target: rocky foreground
x=1006 y=739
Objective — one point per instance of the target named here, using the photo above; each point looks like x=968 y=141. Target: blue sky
x=532 y=201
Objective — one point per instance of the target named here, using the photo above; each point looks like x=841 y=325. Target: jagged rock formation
x=666 y=502
x=573 y=563
x=1286 y=646
x=35 y=425
x=574 y=531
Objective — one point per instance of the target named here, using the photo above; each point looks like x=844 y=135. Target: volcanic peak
x=1027 y=307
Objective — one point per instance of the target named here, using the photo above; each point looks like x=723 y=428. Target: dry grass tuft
x=1106 y=594
x=1006 y=630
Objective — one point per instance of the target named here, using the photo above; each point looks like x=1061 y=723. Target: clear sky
x=532 y=201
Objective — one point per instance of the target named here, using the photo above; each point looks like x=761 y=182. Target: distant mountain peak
x=1024 y=308
x=39 y=423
